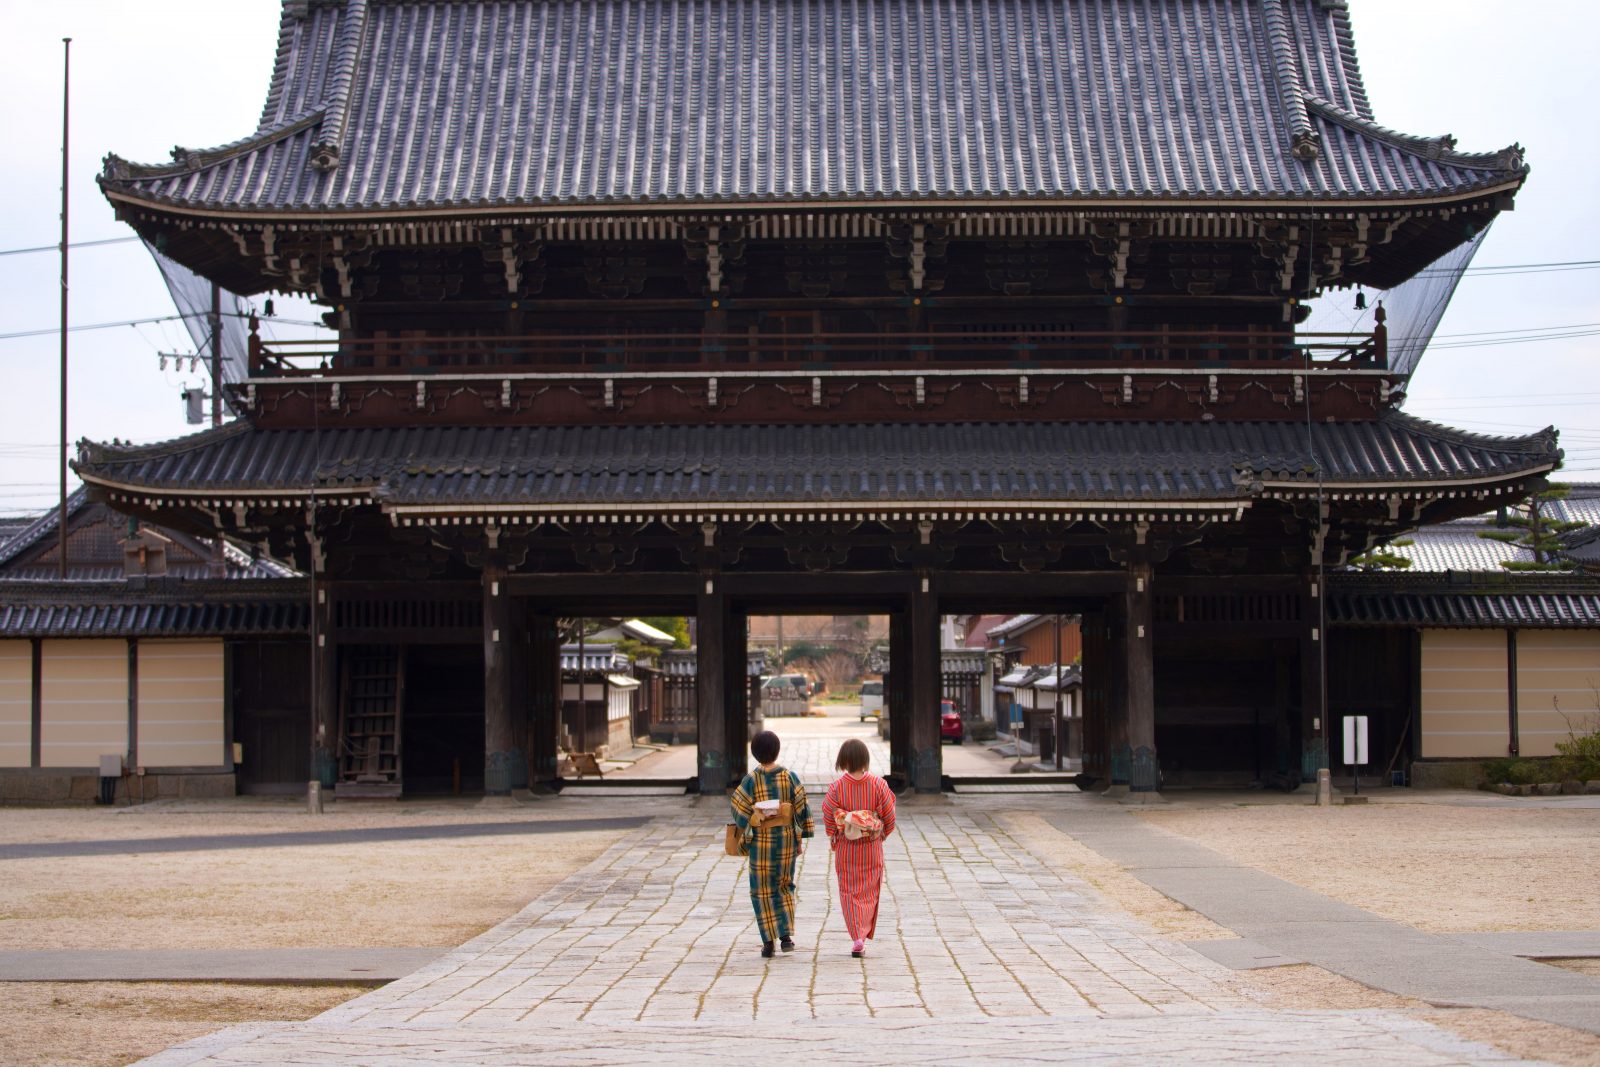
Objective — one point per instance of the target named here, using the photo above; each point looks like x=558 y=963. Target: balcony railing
x=713 y=353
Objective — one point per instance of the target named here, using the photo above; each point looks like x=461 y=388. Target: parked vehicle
x=871 y=700
x=786 y=687
x=951 y=727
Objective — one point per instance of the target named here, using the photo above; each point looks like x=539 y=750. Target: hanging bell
x=267 y=309
x=162 y=362
x=1361 y=300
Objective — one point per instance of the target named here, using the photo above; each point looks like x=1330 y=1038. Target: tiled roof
x=35 y=530
x=1456 y=546
x=380 y=105
x=1459 y=545
x=1522 y=601
x=965 y=463
x=159 y=608
x=1012 y=625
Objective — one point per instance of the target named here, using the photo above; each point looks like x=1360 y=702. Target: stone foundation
x=43 y=788
x=1447 y=774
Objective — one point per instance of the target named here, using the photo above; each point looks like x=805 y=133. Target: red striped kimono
x=859 y=863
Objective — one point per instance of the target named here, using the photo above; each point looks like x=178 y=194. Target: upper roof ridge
x=187 y=160
x=1440 y=149
x=1540 y=441
x=1303 y=139
x=325 y=151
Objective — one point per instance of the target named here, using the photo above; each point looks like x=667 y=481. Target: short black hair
x=853 y=757
x=764 y=746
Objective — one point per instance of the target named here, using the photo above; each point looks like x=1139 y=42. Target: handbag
x=733 y=842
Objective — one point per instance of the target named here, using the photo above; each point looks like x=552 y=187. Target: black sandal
x=766 y=950
x=787 y=944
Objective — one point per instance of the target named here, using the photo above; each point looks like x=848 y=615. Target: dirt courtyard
x=267 y=875
x=250 y=875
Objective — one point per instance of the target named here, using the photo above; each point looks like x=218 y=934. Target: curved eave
x=1205 y=203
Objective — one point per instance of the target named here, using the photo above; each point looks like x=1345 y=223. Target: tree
x=1381 y=559
x=676 y=625
x=1537 y=531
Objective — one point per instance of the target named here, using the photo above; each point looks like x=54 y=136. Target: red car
x=950 y=727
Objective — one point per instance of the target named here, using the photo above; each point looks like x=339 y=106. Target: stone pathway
x=650 y=955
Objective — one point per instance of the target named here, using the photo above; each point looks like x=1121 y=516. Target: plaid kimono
x=773 y=850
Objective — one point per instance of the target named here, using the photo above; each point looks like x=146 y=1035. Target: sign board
x=1355 y=740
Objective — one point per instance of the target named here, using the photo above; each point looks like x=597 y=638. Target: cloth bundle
x=860 y=824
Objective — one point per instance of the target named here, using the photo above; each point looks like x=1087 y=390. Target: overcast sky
x=149 y=75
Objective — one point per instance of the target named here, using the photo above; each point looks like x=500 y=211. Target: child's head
x=764 y=746
x=853 y=756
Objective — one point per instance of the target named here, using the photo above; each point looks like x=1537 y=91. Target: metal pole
x=66 y=98
x=219 y=558
x=216 y=355
x=1058 y=693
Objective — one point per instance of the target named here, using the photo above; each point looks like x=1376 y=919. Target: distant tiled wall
x=181 y=704
x=1464 y=693
x=84 y=701
x=16 y=703
x=1558 y=684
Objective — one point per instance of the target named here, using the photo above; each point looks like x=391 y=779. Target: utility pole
x=219 y=561
x=66 y=98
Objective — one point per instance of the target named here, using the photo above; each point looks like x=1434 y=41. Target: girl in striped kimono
x=858 y=814
x=775 y=847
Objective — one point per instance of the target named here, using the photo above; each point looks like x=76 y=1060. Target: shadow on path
x=373 y=835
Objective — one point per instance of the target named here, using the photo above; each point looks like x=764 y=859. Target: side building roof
x=398 y=108
x=1456 y=579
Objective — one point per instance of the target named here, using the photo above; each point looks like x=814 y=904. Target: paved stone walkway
x=984 y=953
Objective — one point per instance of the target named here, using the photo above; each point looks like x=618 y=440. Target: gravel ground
x=428 y=891
x=1437 y=866
x=1441 y=867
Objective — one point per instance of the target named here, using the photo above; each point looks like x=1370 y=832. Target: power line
x=70 y=244
x=155 y=318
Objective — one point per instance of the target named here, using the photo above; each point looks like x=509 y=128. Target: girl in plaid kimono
x=773 y=849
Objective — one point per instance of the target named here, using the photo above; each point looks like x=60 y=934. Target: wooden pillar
x=1117 y=753
x=518 y=650
x=735 y=688
x=1094 y=699
x=1314 y=724
x=544 y=690
x=500 y=756
x=711 y=633
x=926 y=685
x=897 y=700
x=324 y=688
x=1139 y=685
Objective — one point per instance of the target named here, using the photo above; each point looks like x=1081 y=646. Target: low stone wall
x=1447 y=774
x=31 y=788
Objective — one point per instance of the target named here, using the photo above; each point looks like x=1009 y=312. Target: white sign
x=1355 y=740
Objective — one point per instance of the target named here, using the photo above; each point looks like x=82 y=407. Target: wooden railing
x=701 y=353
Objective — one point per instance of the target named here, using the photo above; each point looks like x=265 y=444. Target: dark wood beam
x=711 y=628
x=1139 y=668
x=926 y=684
x=324 y=686
x=503 y=766
x=544 y=684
